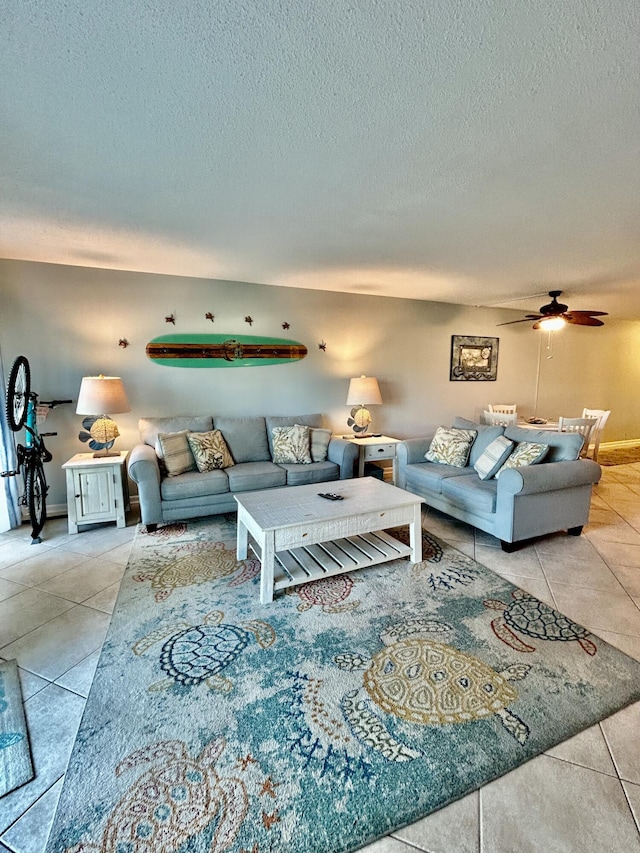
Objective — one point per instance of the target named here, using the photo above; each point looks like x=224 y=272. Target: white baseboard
x=60 y=510
x=614 y=445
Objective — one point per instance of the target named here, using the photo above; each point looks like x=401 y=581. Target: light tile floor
x=583 y=796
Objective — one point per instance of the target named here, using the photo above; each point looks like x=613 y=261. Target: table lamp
x=363 y=391
x=106 y=395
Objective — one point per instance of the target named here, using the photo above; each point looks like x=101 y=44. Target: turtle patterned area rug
x=15 y=756
x=339 y=712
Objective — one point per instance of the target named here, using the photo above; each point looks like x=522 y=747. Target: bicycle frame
x=22 y=411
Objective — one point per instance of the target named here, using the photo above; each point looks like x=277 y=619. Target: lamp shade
x=364 y=390
x=102 y=395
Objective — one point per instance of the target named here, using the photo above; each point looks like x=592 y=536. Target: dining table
x=540 y=424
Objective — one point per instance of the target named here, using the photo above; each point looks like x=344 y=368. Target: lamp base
x=100 y=454
x=359 y=420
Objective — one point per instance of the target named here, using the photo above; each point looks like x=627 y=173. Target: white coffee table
x=299 y=536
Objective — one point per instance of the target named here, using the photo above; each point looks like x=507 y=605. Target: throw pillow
x=451 y=446
x=492 y=459
x=525 y=453
x=319 y=443
x=209 y=450
x=291 y=444
x=175 y=452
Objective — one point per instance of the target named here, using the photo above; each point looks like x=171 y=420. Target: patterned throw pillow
x=525 y=453
x=291 y=444
x=492 y=458
x=451 y=446
x=175 y=452
x=319 y=443
x=210 y=450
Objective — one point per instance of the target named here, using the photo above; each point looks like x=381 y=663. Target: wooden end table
x=97 y=489
x=373 y=448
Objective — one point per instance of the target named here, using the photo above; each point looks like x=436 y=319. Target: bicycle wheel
x=18 y=389
x=36 y=497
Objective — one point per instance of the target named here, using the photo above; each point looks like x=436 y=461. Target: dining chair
x=596 y=434
x=503 y=408
x=500 y=418
x=584 y=426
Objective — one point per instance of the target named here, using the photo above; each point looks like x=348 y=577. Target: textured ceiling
x=466 y=151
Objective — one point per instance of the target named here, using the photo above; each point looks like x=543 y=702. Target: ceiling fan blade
x=526 y=319
x=582 y=320
x=588 y=313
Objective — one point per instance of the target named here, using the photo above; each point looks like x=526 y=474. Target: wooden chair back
x=584 y=426
x=596 y=433
x=500 y=418
x=503 y=408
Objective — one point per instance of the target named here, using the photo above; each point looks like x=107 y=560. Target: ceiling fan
x=555 y=315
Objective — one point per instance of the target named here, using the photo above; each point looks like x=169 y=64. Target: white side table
x=97 y=489
x=373 y=448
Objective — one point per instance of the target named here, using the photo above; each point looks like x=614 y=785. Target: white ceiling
x=466 y=151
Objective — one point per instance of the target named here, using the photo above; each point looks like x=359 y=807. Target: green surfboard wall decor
x=223 y=350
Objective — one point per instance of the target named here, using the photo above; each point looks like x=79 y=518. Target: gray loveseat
x=164 y=499
x=522 y=503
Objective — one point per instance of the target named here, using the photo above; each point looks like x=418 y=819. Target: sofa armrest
x=548 y=477
x=411 y=451
x=344 y=453
x=144 y=470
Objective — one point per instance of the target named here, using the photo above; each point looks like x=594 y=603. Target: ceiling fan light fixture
x=552 y=324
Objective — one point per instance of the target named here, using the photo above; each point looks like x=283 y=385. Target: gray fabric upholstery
x=314 y=420
x=150 y=427
x=486 y=435
x=563 y=446
x=430 y=476
x=525 y=502
x=194 y=484
x=246 y=438
x=471 y=492
x=196 y=494
x=252 y=476
x=316 y=472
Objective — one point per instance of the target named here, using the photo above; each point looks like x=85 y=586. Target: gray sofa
x=523 y=503
x=165 y=499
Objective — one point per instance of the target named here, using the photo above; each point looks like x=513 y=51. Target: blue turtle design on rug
x=197 y=653
x=534 y=618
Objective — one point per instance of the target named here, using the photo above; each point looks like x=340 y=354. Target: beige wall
x=68 y=320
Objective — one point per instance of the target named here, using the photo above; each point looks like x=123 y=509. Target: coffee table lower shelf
x=324 y=559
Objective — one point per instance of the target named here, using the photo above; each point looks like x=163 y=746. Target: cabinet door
x=94 y=494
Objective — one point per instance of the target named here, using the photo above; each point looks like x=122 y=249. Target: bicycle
x=24 y=410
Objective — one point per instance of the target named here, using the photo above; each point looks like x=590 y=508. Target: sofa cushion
x=471 y=493
x=563 y=446
x=194 y=484
x=525 y=453
x=174 y=451
x=209 y=450
x=430 y=476
x=246 y=438
x=316 y=472
x=251 y=476
x=319 y=443
x=491 y=460
x=150 y=427
x=486 y=434
x=313 y=420
x=451 y=446
x=291 y=444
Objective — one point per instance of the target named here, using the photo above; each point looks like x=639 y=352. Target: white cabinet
x=97 y=489
x=373 y=448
